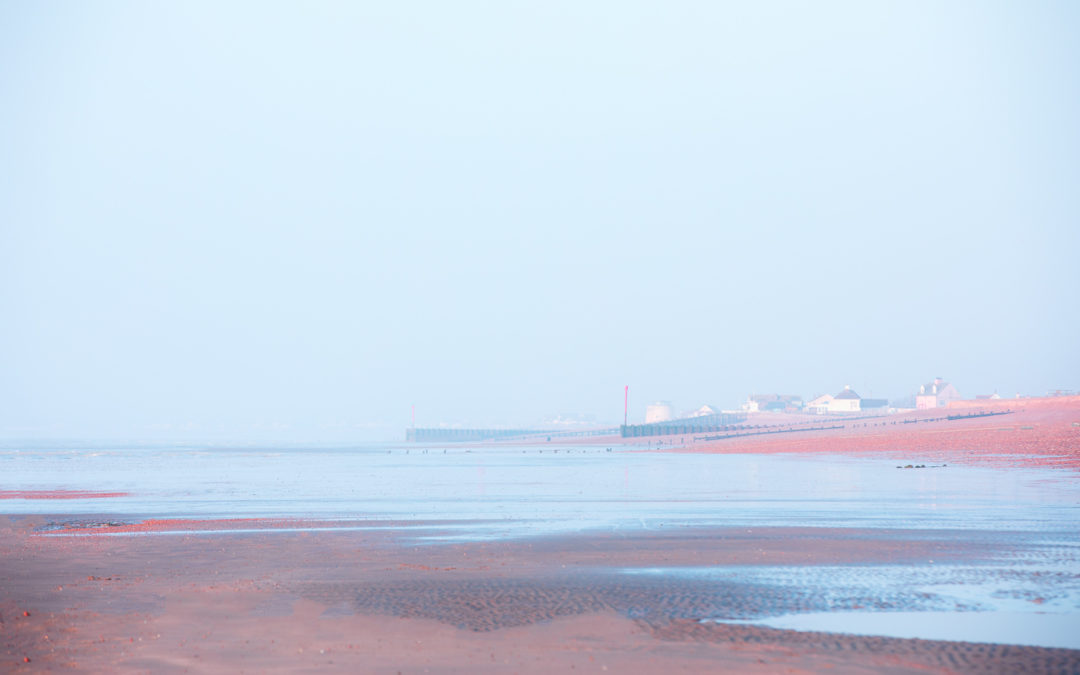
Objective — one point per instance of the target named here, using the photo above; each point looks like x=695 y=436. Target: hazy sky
x=295 y=220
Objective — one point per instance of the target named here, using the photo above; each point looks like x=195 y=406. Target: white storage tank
x=661 y=411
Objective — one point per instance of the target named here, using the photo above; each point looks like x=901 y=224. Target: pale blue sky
x=221 y=219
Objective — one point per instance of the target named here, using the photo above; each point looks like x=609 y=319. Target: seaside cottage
x=846 y=401
x=819 y=405
x=936 y=394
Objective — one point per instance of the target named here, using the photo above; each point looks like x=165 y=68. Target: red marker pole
x=625 y=404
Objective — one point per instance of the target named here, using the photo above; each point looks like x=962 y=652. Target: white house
x=936 y=394
x=846 y=401
x=819 y=405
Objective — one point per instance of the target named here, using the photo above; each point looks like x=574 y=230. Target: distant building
x=819 y=405
x=661 y=411
x=773 y=403
x=903 y=404
x=936 y=394
x=705 y=411
x=846 y=401
x=570 y=420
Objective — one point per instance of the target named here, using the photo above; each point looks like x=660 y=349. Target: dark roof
x=873 y=403
x=847 y=394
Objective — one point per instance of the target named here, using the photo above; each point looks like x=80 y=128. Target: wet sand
x=58 y=494
x=374 y=601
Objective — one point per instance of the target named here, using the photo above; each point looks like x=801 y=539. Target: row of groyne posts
x=727 y=425
x=692 y=425
x=958 y=416
x=696 y=425
x=452 y=435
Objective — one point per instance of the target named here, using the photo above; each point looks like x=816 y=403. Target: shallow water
x=1030 y=596
x=1036 y=629
x=514 y=491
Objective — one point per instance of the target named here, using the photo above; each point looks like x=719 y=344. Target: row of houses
x=847 y=401
x=935 y=394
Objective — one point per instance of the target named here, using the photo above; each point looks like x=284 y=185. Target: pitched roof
x=928 y=388
x=847 y=394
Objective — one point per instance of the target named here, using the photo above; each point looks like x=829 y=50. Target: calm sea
x=528 y=489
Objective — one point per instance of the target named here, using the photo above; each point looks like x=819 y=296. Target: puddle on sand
x=1036 y=629
x=1034 y=601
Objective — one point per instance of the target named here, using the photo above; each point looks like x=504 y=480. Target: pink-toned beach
x=1030 y=432
x=655 y=571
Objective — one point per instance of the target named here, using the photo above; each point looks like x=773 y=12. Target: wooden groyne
x=446 y=435
x=765 y=431
x=702 y=425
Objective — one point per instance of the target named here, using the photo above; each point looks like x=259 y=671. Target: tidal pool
x=1036 y=629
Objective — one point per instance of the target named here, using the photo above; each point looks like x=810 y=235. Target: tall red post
x=625 y=404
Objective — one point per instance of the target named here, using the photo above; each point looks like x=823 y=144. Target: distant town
x=935 y=394
x=757 y=412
